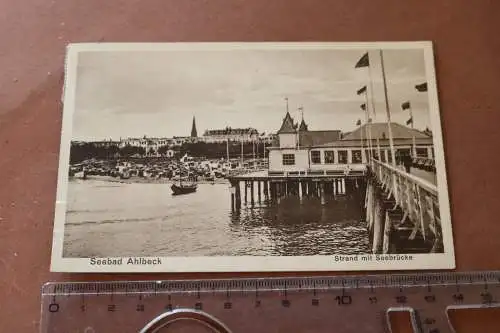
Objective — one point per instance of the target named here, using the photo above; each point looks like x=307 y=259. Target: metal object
x=341 y=304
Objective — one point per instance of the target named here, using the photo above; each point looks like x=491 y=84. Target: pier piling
x=252 y=185
x=258 y=190
x=246 y=191
x=322 y=193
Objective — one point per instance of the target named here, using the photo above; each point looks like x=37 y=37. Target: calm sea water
x=119 y=219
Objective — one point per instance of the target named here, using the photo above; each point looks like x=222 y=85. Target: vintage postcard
x=198 y=157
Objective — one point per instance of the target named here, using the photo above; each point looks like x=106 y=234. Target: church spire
x=194 y=133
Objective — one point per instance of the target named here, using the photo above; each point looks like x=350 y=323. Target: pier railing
x=417 y=198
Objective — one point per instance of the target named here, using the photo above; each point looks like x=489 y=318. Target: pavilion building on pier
x=303 y=151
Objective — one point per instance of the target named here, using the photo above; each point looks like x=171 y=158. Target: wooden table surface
x=34 y=34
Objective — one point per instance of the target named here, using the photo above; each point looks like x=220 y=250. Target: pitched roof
x=287 y=126
x=303 y=125
x=315 y=138
x=380 y=130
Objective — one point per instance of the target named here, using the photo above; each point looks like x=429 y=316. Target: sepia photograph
x=191 y=157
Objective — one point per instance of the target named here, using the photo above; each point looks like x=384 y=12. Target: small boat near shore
x=184 y=187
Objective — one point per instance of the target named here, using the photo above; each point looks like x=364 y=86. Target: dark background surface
x=34 y=34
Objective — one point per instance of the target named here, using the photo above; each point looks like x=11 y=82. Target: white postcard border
x=444 y=260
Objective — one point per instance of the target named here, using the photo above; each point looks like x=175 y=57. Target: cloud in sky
x=156 y=93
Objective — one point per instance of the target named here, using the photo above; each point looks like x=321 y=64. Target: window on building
x=342 y=156
x=401 y=155
x=315 y=157
x=288 y=159
x=329 y=157
x=421 y=152
x=375 y=154
x=356 y=156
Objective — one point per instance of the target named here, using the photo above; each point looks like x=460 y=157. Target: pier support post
x=378 y=223
x=322 y=193
x=258 y=190
x=238 y=195
x=300 y=190
x=235 y=195
x=252 y=201
x=386 y=248
x=246 y=191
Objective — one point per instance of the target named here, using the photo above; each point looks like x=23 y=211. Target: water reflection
x=305 y=227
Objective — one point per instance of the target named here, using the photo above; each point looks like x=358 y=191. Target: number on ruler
x=54 y=307
x=343 y=300
x=429 y=321
x=487 y=297
x=430 y=298
x=458 y=298
x=401 y=299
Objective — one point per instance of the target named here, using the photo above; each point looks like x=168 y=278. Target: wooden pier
x=402 y=212
x=401 y=209
x=272 y=186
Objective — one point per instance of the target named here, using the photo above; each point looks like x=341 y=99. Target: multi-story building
x=230 y=134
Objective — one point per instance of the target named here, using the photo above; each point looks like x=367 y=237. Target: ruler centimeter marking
x=342 y=304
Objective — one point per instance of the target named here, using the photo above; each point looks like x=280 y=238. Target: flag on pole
x=369 y=120
x=358 y=123
x=421 y=87
x=409 y=121
x=362 y=90
x=405 y=105
x=363 y=106
x=364 y=61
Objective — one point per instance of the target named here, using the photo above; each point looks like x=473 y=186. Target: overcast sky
x=157 y=93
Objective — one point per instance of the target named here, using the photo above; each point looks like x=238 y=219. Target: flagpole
x=253 y=148
x=373 y=107
x=371 y=91
x=362 y=144
x=391 y=141
x=414 y=150
x=368 y=129
x=241 y=153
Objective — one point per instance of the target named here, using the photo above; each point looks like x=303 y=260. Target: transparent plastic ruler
x=341 y=304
